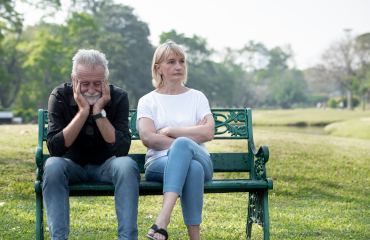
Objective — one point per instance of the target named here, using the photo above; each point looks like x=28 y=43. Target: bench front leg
x=258 y=212
x=39 y=213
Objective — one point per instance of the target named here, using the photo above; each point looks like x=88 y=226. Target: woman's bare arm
x=151 y=138
x=201 y=133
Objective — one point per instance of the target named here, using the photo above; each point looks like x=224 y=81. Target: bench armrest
x=262 y=155
x=259 y=165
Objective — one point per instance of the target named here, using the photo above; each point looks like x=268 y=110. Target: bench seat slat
x=222 y=162
x=155 y=188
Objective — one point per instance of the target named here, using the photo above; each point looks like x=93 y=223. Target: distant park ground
x=321 y=184
x=335 y=122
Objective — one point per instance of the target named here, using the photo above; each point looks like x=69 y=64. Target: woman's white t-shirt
x=182 y=110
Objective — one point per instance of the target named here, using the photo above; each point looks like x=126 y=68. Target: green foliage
x=13 y=20
x=286 y=86
x=355 y=101
x=125 y=41
x=332 y=103
x=289 y=90
x=27 y=115
x=313 y=99
x=11 y=72
x=278 y=59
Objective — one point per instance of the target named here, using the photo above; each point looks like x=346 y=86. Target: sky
x=308 y=26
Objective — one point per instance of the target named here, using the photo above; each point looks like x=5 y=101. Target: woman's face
x=172 y=69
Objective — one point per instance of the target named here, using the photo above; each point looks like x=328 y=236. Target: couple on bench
x=88 y=140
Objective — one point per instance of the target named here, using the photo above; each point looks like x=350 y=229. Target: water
x=305 y=130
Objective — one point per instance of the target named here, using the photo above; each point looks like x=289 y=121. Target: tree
x=10 y=63
x=347 y=60
x=363 y=50
x=285 y=86
x=10 y=71
x=127 y=47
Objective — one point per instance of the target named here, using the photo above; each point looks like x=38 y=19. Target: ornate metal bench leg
x=258 y=212
x=39 y=217
x=266 y=219
x=249 y=219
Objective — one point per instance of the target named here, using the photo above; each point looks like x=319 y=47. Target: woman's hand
x=202 y=121
x=202 y=132
x=151 y=138
x=164 y=131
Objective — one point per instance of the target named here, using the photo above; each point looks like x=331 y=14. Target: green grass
x=308 y=116
x=321 y=191
x=355 y=128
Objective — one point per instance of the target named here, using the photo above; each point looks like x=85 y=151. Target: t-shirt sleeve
x=203 y=107
x=143 y=110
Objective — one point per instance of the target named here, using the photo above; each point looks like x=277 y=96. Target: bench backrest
x=230 y=124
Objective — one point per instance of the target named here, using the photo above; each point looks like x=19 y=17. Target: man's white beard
x=92 y=98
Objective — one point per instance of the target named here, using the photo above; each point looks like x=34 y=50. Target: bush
x=27 y=115
x=332 y=103
x=313 y=99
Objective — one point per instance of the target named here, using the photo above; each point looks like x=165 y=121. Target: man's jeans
x=183 y=171
x=123 y=172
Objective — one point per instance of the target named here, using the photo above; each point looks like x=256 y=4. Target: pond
x=306 y=130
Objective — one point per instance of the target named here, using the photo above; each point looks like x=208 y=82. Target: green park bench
x=231 y=124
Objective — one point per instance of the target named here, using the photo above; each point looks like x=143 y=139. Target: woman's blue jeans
x=123 y=172
x=183 y=171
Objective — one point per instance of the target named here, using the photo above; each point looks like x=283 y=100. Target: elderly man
x=88 y=139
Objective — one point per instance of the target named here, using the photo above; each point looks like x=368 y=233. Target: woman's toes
x=151 y=232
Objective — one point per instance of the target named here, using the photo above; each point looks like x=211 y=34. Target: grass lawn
x=354 y=128
x=307 y=116
x=321 y=189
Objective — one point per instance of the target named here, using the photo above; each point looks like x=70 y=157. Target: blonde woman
x=174 y=122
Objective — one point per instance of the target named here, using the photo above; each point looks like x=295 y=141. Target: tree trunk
x=363 y=100
x=349 y=100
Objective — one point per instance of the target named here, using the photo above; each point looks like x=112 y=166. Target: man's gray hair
x=90 y=58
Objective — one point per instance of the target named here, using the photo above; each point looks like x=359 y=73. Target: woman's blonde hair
x=160 y=55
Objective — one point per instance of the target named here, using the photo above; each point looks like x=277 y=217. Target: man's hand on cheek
x=79 y=98
x=105 y=92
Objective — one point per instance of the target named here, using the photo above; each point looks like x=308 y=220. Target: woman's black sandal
x=156 y=230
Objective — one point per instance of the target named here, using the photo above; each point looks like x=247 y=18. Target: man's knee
x=55 y=165
x=126 y=166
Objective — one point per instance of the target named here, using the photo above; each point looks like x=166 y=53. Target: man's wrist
x=96 y=110
x=102 y=114
x=83 y=112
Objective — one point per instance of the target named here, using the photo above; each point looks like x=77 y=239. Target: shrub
x=332 y=103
